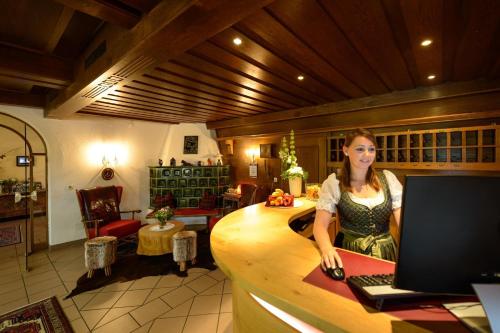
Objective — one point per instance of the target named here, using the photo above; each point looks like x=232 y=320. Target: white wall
x=69 y=166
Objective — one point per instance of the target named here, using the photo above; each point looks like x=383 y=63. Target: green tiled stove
x=188 y=184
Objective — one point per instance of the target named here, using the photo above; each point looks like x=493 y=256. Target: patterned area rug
x=10 y=235
x=131 y=266
x=42 y=316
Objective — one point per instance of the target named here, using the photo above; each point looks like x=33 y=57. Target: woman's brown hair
x=345 y=175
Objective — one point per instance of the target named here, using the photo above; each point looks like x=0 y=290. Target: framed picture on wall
x=23 y=161
x=191 y=144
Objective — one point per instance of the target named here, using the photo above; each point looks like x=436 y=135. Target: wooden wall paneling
x=195 y=76
x=424 y=19
x=261 y=57
x=459 y=108
x=212 y=90
x=157 y=96
x=365 y=24
x=482 y=32
x=215 y=54
x=331 y=44
x=274 y=34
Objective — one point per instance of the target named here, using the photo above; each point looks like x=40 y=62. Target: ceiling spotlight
x=237 y=41
x=300 y=77
x=431 y=77
x=426 y=42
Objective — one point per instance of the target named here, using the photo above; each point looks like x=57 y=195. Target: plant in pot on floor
x=163 y=215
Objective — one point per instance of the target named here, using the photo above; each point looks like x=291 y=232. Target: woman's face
x=361 y=152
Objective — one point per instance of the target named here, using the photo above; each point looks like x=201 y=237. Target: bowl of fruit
x=279 y=199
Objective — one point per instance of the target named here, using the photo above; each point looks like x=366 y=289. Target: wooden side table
x=230 y=202
x=155 y=243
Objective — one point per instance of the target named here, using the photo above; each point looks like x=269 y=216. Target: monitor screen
x=449 y=234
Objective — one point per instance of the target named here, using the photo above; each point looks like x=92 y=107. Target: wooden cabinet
x=9 y=210
x=188 y=184
x=465 y=148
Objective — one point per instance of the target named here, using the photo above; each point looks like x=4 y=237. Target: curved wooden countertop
x=256 y=249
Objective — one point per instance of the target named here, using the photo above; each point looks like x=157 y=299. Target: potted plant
x=291 y=170
x=163 y=215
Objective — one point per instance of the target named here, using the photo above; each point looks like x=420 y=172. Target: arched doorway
x=23 y=169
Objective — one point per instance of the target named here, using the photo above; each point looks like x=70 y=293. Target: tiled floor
x=201 y=302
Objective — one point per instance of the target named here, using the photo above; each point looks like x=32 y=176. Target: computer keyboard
x=379 y=287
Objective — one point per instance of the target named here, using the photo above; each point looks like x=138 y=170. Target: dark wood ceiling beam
x=61 y=25
x=409 y=97
x=43 y=70
x=14 y=98
x=104 y=11
x=166 y=32
x=99 y=113
x=143 y=6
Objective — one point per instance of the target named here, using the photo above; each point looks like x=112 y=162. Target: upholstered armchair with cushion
x=101 y=215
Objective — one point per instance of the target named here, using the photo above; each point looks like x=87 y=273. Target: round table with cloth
x=153 y=242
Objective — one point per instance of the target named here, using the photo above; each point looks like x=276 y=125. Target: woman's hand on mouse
x=330 y=258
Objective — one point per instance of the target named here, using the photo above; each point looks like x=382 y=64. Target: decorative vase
x=295 y=185
x=162 y=222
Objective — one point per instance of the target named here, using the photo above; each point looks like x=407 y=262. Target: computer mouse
x=336 y=273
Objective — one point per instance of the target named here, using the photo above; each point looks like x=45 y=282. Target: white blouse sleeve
x=396 y=189
x=329 y=195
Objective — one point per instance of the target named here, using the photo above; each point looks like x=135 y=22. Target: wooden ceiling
x=175 y=61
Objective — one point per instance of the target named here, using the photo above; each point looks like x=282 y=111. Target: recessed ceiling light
x=431 y=77
x=300 y=77
x=237 y=41
x=426 y=42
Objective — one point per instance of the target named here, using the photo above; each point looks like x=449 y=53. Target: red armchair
x=101 y=215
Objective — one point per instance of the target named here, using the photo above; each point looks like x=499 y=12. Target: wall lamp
x=253 y=153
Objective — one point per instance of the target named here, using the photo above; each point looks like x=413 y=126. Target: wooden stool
x=100 y=252
x=184 y=244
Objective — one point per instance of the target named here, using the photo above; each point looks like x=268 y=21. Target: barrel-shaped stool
x=100 y=252
x=184 y=245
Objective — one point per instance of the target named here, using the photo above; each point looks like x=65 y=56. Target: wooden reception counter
x=258 y=251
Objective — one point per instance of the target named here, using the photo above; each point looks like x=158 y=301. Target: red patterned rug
x=10 y=235
x=43 y=316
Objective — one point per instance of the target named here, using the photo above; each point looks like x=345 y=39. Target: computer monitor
x=449 y=234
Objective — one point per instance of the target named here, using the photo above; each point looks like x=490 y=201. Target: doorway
x=23 y=187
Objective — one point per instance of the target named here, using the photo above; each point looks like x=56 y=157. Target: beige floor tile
x=12 y=296
x=168 y=325
x=150 y=311
x=13 y=305
x=40 y=277
x=133 y=298
x=104 y=300
x=205 y=305
x=79 y=326
x=228 y=287
x=158 y=292
x=82 y=299
x=58 y=290
x=178 y=296
x=144 y=328
x=201 y=324
x=71 y=312
x=191 y=277
x=10 y=286
x=114 y=313
x=217 y=274
x=214 y=290
x=42 y=286
x=198 y=270
x=170 y=280
x=225 y=323
x=10 y=276
x=118 y=286
x=122 y=324
x=227 y=303
x=202 y=283
x=64 y=302
x=147 y=282
x=179 y=311
x=92 y=317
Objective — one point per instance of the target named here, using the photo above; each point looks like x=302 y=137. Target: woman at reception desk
x=267 y=263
